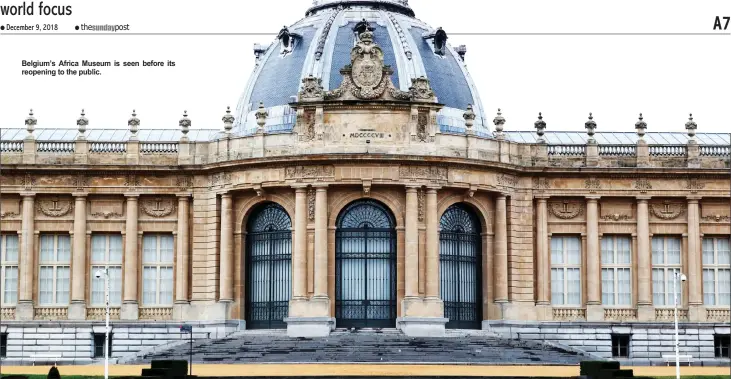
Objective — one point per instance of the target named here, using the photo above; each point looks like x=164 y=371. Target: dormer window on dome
x=288 y=41
x=439 y=41
x=361 y=27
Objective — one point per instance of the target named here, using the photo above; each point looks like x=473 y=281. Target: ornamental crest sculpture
x=367 y=77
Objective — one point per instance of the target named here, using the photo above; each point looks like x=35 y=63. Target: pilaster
x=500 y=260
x=696 y=311
x=645 y=309
x=77 y=308
x=130 y=305
x=542 y=252
x=24 y=308
x=226 y=256
x=594 y=309
x=182 y=257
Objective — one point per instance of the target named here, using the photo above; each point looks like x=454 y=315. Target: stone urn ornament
x=641 y=127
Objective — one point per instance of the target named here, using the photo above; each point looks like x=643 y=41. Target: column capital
x=542 y=197
x=183 y=195
x=226 y=195
x=80 y=195
x=132 y=195
x=320 y=186
x=593 y=197
x=694 y=198
x=432 y=190
x=643 y=198
x=434 y=187
x=412 y=187
x=299 y=187
x=27 y=194
x=502 y=195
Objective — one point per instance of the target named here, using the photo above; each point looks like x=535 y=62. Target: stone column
x=321 y=242
x=24 y=308
x=130 y=306
x=77 y=309
x=645 y=310
x=594 y=310
x=543 y=257
x=432 y=245
x=695 y=263
x=411 y=236
x=227 y=241
x=299 y=259
x=183 y=253
x=500 y=261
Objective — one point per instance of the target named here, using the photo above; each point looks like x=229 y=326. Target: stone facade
x=364 y=140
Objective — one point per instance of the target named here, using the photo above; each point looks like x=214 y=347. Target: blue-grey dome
x=320 y=44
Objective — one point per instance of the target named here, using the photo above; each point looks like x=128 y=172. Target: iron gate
x=365 y=267
x=460 y=267
x=268 y=267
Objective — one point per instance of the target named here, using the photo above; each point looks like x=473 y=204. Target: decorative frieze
x=81 y=181
x=694 y=185
x=431 y=173
x=716 y=218
x=9 y=214
x=643 y=185
x=55 y=206
x=592 y=184
x=132 y=181
x=106 y=214
x=667 y=210
x=158 y=206
x=541 y=183
x=566 y=210
x=184 y=182
x=507 y=180
x=300 y=173
x=616 y=217
x=28 y=181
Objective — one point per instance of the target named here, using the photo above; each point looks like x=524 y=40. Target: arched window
x=460 y=267
x=365 y=266
x=268 y=267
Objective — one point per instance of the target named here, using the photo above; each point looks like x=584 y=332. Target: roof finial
x=691 y=127
x=641 y=127
x=228 y=120
x=30 y=124
x=133 y=124
x=184 y=124
x=82 y=122
x=499 y=121
x=540 y=126
x=590 y=128
x=261 y=118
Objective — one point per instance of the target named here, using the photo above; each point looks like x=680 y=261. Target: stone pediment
x=366 y=78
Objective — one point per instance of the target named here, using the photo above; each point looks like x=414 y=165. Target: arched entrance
x=365 y=266
x=268 y=267
x=460 y=267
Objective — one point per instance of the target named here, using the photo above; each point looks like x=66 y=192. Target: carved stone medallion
x=158 y=206
x=566 y=210
x=55 y=206
x=667 y=210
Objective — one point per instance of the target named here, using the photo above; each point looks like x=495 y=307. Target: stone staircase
x=367 y=346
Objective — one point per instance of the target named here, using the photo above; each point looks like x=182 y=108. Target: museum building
x=359 y=184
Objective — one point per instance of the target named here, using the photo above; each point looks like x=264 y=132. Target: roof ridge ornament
x=261 y=118
x=691 y=126
x=641 y=127
x=184 y=125
x=540 y=126
x=590 y=129
x=30 y=124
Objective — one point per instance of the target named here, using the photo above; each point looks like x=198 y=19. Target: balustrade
x=668 y=150
x=11 y=146
x=156 y=313
x=51 y=313
x=668 y=314
x=159 y=147
x=620 y=314
x=714 y=151
x=618 y=150
x=100 y=313
x=569 y=314
x=108 y=147
x=718 y=315
x=567 y=150
x=56 y=147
